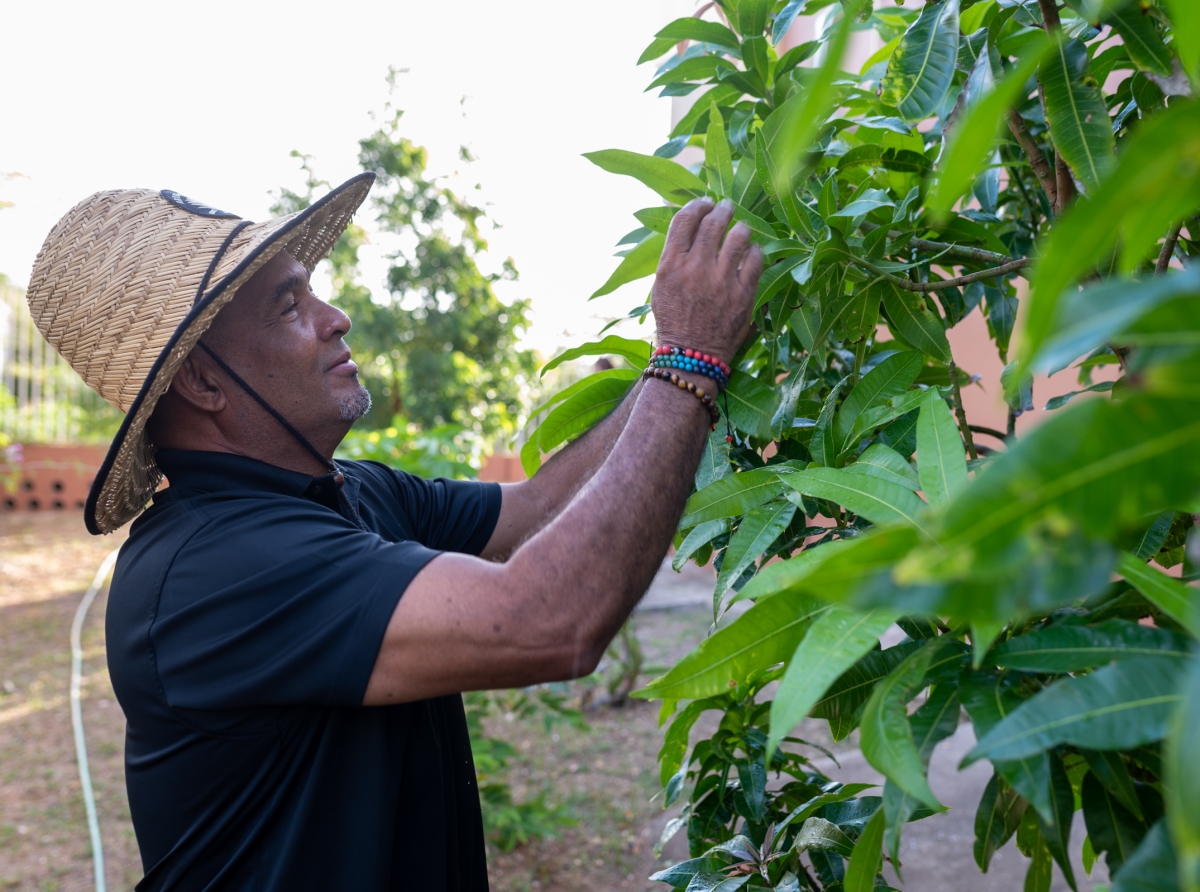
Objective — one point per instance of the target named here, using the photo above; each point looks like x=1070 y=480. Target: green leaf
x=887 y=738
x=1076 y=113
x=642 y=261
x=914 y=320
x=1176 y=600
x=714 y=463
x=922 y=67
x=988 y=700
x=758 y=529
x=658 y=47
x=835 y=642
x=869 y=200
x=890 y=378
x=1152 y=867
x=1141 y=39
x=972 y=138
x=1057 y=833
x=1104 y=465
x=637 y=352
x=764 y=635
x=1155 y=183
x=845 y=696
x=717 y=158
x=699 y=536
x=672 y=181
x=698 y=68
x=692 y=28
x=1071 y=648
x=751 y=404
x=1059 y=401
x=721 y=95
x=867 y=858
x=1110 y=770
x=1120 y=706
x=1182 y=781
x=879 y=501
x=784 y=19
x=817 y=833
x=996 y=820
x=733 y=496
x=886 y=464
x=784 y=575
x=941 y=463
x=776 y=277
x=1185 y=22
x=1110 y=826
x=675 y=740
x=657 y=219
x=936 y=720
x=588 y=402
x=789 y=130
x=1037 y=878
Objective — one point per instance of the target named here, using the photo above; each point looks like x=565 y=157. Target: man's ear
x=198 y=383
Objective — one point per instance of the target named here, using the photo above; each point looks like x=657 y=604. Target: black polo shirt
x=246 y=612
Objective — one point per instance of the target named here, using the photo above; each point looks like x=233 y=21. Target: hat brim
x=129 y=475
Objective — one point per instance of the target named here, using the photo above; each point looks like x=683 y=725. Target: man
x=287 y=636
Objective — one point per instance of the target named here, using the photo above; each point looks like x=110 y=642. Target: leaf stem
x=1168 y=249
x=909 y=285
x=959 y=412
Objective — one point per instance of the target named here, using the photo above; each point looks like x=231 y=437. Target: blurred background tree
x=438 y=351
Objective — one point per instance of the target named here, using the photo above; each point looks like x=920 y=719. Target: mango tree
x=986 y=143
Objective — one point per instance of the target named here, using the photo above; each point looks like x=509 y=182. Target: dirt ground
x=605 y=776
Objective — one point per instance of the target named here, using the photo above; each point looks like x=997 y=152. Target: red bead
x=688 y=353
x=729 y=439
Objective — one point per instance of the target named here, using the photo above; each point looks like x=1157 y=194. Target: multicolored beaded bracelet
x=688 y=360
x=697 y=392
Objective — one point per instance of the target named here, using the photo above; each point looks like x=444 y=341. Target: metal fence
x=42 y=399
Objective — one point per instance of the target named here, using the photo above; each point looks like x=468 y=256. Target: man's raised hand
x=706 y=281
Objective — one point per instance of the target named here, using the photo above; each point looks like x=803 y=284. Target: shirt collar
x=192 y=472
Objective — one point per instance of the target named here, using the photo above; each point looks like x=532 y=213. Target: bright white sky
x=210 y=98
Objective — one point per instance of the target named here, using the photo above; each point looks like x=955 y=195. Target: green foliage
x=974 y=143
x=506 y=823
x=439 y=347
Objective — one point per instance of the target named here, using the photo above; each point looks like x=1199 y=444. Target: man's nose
x=335 y=323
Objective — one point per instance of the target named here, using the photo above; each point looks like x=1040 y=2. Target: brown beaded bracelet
x=697 y=392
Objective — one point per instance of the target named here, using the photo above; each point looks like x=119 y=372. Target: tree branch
x=959 y=412
x=909 y=285
x=1037 y=160
x=989 y=431
x=1168 y=249
x=1049 y=10
x=958 y=252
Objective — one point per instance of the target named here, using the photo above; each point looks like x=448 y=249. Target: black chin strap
x=287 y=425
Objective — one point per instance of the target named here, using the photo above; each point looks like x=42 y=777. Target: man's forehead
x=277 y=277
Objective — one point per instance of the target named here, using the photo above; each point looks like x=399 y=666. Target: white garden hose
x=85 y=777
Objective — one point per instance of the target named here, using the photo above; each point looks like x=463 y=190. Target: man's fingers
x=712 y=228
x=683 y=228
x=737 y=241
x=751 y=270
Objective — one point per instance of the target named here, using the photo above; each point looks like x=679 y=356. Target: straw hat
x=127 y=282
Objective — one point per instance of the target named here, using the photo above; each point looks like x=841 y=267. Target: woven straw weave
x=114 y=284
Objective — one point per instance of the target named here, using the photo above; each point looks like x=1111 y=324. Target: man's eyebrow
x=286 y=286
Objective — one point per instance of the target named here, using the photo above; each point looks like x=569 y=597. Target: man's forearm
x=529 y=506
x=609 y=542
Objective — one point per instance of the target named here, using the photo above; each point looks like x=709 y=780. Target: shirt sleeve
x=447 y=515
x=270 y=607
